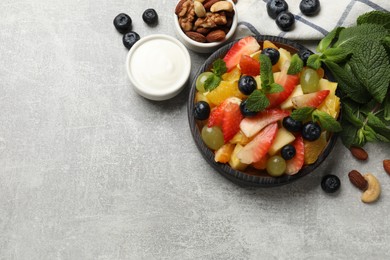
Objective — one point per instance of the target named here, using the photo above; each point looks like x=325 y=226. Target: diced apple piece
x=285 y=56
x=288 y=103
x=234 y=162
x=282 y=138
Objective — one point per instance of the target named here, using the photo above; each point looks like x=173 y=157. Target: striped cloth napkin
x=253 y=17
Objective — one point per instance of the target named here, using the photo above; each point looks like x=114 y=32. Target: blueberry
x=304 y=55
x=272 y=53
x=292 y=125
x=247 y=84
x=310 y=7
x=330 y=183
x=274 y=7
x=122 y=22
x=202 y=110
x=311 y=131
x=288 y=152
x=285 y=21
x=245 y=111
x=129 y=39
x=150 y=16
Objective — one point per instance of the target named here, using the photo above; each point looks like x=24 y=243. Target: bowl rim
x=208 y=44
x=240 y=177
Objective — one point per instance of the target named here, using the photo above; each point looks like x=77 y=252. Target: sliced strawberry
x=245 y=46
x=252 y=125
x=249 y=66
x=216 y=115
x=231 y=121
x=295 y=164
x=310 y=100
x=256 y=149
x=288 y=82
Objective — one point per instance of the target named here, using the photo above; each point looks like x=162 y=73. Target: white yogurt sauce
x=159 y=65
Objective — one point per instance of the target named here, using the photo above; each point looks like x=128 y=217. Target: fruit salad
x=260 y=106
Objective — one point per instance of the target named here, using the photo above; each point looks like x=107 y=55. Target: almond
x=359 y=153
x=203 y=31
x=196 y=36
x=357 y=180
x=386 y=166
x=179 y=7
x=208 y=3
x=216 y=36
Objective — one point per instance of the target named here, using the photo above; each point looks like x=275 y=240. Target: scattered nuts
x=359 y=153
x=373 y=190
x=358 y=180
x=196 y=36
x=386 y=166
x=200 y=11
x=221 y=6
x=216 y=36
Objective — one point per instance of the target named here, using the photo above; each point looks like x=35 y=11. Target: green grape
x=212 y=137
x=201 y=79
x=310 y=81
x=276 y=166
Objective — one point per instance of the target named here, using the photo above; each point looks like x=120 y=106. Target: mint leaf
x=257 y=101
x=376 y=17
x=314 y=61
x=372 y=67
x=336 y=55
x=274 y=88
x=349 y=116
x=326 y=121
x=266 y=75
x=301 y=114
x=219 y=67
x=386 y=108
x=349 y=134
x=377 y=125
x=296 y=65
x=369 y=134
x=212 y=82
x=328 y=39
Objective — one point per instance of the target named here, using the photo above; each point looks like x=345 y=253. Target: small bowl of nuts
x=205 y=25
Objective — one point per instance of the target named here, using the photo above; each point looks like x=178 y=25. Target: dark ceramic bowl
x=251 y=176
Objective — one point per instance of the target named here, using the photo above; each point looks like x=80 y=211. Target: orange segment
x=268 y=44
x=233 y=75
x=314 y=149
x=225 y=90
x=240 y=138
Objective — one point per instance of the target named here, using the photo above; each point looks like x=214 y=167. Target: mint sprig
x=326 y=121
x=218 y=69
x=296 y=65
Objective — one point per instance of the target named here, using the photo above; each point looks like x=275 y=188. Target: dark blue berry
x=330 y=183
x=274 y=7
x=150 y=16
x=288 y=152
x=272 y=53
x=129 y=39
x=122 y=22
x=201 y=110
x=310 y=7
x=304 y=55
x=247 y=84
x=292 y=125
x=311 y=131
x=245 y=111
x=285 y=21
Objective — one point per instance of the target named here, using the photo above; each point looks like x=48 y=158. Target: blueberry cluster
x=285 y=20
x=123 y=24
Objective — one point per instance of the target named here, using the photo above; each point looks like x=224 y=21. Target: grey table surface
x=91 y=170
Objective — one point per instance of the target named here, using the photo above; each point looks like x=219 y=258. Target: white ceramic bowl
x=205 y=47
x=158 y=66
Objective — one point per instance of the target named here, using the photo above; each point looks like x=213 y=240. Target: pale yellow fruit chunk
x=282 y=138
x=287 y=104
x=234 y=162
x=240 y=138
x=285 y=56
x=224 y=153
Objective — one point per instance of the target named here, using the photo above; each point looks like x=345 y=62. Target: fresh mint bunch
x=359 y=59
x=219 y=68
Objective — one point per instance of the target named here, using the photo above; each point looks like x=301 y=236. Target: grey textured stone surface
x=91 y=170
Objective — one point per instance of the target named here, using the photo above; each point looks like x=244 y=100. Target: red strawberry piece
x=231 y=121
x=295 y=164
x=288 y=82
x=245 y=46
x=252 y=125
x=310 y=100
x=249 y=66
x=216 y=115
x=256 y=149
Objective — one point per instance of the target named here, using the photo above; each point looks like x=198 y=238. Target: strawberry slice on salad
x=295 y=164
x=249 y=66
x=310 y=100
x=250 y=126
x=228 y=116
x=245 y=46
x=256 y=149
x=288 y=82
